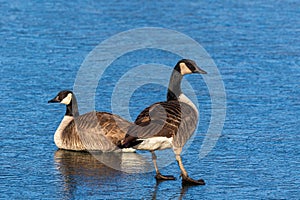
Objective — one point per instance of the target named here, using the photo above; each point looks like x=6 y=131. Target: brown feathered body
x=171 y=119
x=91 y=131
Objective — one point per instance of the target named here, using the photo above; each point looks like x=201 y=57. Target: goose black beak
x=54 y=100
x=199 y=71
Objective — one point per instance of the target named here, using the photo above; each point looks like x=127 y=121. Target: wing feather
x=95 y=131
x=169 y=119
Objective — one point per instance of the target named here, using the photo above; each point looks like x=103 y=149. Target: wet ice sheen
x=254 y=44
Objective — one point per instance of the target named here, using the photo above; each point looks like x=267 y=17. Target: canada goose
x=98 y=131
x=167 y=124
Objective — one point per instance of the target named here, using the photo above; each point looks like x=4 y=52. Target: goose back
x=164 y=119
x=94 y=131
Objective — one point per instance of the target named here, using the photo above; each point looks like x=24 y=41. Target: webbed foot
x=186 y=180
x=161 y=177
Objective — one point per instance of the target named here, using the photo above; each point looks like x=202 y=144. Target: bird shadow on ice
x=78 y=169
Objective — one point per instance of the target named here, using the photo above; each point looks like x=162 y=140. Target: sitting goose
x=98 y=131
x=167 y=124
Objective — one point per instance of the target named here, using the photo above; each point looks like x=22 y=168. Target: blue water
x=255 y=45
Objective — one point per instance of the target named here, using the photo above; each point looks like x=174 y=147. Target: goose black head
x=68 y=98
x=186 y=66
x=64 y=97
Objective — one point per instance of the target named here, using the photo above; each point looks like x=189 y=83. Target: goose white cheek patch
x=67 y=99
x=184 y=69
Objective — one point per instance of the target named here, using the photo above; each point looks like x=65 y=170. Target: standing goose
x=98 y=131
x=167 y=124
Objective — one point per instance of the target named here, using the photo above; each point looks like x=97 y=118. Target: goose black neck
x=174 y=89
x=69 y=110
x=72 y=108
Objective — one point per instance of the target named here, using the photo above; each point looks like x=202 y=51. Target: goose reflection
x=182 y=191
x=84 y=169
x=87 y=169
x=81 y=168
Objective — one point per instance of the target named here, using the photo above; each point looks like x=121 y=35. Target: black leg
x=159 y=176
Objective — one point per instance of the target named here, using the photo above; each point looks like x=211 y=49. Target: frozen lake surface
x=255 y=46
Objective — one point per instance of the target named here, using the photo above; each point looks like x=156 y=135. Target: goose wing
x=113 y=126
x=96 y=131
x=167 y=119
